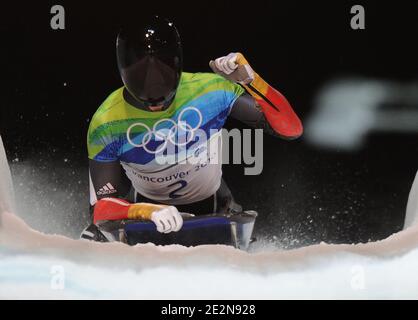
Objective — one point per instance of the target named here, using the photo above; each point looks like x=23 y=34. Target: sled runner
x=229 y=229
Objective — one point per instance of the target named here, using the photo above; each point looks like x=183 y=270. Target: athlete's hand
x=233 y=67
x=167 y=219
x=227 y=64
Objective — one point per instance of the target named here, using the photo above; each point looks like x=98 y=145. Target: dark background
x=54 y=80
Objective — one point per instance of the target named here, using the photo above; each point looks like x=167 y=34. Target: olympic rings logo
x=167 y=134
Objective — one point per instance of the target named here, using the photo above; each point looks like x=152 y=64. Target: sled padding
x=195 y=231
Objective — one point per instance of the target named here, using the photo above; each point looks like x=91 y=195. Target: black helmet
x=150 y=61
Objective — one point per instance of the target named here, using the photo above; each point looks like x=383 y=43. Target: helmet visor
x=152 y=79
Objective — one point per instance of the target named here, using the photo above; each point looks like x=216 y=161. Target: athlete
x=147 y=115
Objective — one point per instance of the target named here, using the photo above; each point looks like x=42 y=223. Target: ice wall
x=6 y=187
x=30 y=263
x=411 y=217
x=385 y=269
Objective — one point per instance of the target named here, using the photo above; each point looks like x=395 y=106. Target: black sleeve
x=107 y=179
x=245 y=109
